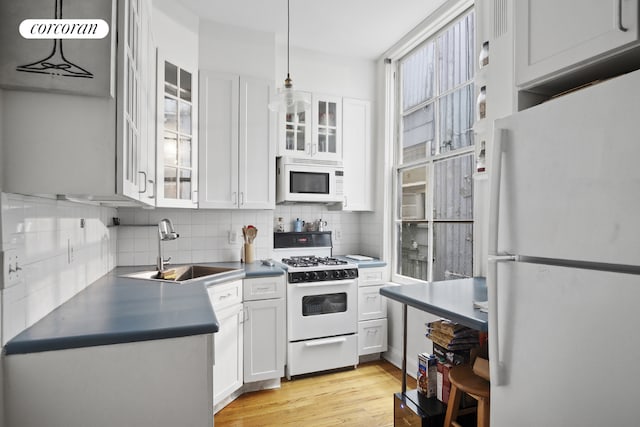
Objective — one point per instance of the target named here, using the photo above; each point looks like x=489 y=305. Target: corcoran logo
x=64 y=29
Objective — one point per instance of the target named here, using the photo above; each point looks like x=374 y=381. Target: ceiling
x=356 y=28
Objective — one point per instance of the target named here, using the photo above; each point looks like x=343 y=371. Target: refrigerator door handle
x=496 y=366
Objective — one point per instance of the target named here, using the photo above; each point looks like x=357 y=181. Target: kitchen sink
x=182 y=273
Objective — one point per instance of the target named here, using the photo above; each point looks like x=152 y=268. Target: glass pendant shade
x=290 y=101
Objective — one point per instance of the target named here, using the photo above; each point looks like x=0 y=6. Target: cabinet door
x=356 y=132
x=228 y=353
x=257 y=160
x=555 y=36
x=372 y=336
x=177 y=155
x=219 y=140
x=371 y=305
x=147 y=160
x=326 y=138
x=264 y=340
x=294 y=134
x=130 y=125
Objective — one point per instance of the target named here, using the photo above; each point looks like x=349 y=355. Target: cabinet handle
x=145 y=182
x=241 y=198
x=194 y=196
x=309 y=149
x=620 y=26
x=152 y=182
x=327 y=341
x=345 y=201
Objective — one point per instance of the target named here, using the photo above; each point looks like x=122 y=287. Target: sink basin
x=181 y=274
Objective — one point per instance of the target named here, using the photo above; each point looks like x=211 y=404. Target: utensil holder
x=248 y=253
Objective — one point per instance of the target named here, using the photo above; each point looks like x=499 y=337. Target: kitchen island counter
x=451 y=299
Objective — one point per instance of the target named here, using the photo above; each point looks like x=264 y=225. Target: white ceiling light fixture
x=288 y=100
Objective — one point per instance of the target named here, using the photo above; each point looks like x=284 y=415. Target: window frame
x=430 y=160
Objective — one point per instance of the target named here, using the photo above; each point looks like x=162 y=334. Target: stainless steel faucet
x=165 y=232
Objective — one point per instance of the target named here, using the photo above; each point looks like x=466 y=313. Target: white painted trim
x=428 y=27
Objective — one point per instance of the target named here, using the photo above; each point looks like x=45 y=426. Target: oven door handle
x=321 y=283
x=328 y=341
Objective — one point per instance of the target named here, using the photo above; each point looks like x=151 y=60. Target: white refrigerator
x=564 y=261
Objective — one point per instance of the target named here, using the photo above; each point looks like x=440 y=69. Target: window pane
x=413 y=183
x=185 y=118
x=170 y=183
x=170 y=113
x=456 y=119
x=413 y=250
x=418 y=132
x=185 y=85
x=185 y=184
x=453 y=250
x=185 y=152
x=418 y=76
x=170 y=78
x=456 y=48
x=170 y=149
x=453 y=188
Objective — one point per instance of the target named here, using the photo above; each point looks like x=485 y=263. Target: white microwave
x=307 y=180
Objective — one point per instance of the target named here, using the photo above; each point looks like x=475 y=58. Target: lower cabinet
x=264 y=328
x=160 y=383
x=228 y=353
x=264 y=340
x=250 y=344
x=372 y=312
x=226 y=300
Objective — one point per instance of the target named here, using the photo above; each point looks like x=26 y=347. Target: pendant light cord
x=288 y=31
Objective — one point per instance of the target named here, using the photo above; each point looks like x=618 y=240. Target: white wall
x=44 y=230
x=175 y=32
x=236 y=50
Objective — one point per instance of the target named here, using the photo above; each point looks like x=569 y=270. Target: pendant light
x=288 y=100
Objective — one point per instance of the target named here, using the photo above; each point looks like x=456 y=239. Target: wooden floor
x=356 y=397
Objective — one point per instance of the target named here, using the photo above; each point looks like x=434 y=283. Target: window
x=435 y=155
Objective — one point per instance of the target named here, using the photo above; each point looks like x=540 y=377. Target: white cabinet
x=136 y=105
x=237 y=155
x=554 y=37
x=357 y=155
x=177 y=147
x=372 y=312
x=315 y=133
x=160 y=383
x=326 y=135
x=87 y=146
x=226 y=300
x=264 y=328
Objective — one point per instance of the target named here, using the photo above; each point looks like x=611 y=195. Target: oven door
x=322 y=309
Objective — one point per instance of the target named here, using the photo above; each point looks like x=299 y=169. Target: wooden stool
x=465 y=379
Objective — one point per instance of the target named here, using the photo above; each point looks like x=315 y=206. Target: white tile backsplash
x=204 y=234
x=60 y=257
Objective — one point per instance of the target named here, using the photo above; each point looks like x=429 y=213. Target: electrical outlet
x=11 y=267
x=233 y=237
x=337 y=234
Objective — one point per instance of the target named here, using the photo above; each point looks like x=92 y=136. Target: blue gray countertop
x=451 y=299
x=117 y=309
x=363 y=264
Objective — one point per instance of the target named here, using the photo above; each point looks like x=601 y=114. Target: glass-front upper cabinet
x=177 y=129
x=327 y=127
x=314 y=133
x=297 y=138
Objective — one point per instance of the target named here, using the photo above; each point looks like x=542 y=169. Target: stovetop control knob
x=314 y=275
x=322 y=275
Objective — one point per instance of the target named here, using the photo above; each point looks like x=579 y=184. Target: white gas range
x=322 y=303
